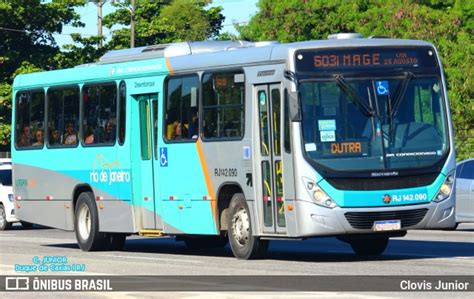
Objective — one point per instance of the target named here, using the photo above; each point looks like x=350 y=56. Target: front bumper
x=314 y=220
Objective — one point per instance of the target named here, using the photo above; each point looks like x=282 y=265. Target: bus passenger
x=177 y=131
x=193 y=128
x=70 y=136
x=109 y=134
x=25 y=138
x=39 y=138
x=89 y=136
x=54 y=138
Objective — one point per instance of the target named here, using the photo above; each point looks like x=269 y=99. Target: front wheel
x=4 y=224
x=242 y=242
x=369 y=246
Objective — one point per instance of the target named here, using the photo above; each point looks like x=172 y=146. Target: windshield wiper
x=354 y=96
x=400 y=93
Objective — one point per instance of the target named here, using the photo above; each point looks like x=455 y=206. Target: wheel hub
x=84 y=222
x=241 y=227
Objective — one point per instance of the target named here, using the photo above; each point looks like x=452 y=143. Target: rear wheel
x=369 y=246
x=87 y=225
x=4 y=224
x=242 y=242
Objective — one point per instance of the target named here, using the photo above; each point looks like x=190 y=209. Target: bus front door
x=269 y=183
x=143 y=149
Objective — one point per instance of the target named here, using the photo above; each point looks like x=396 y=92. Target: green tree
x=447 y=24
x=27 y=44
x=163 y=22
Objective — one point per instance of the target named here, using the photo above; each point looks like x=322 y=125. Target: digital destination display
x=314 y=60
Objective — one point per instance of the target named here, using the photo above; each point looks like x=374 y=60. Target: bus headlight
x=445 y=189
x=319 y=196
x=10 y=197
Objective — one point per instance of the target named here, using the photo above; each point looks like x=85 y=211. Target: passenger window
x=29 y=129
x=100 y=109
x=122 y=112
x=63 y=116
x=181 y=106
x=223 y=105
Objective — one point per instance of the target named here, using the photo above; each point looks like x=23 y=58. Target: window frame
x=165 y=106
x=58 y=87
x=201 y=106
x=15 y=121
x=82 y=114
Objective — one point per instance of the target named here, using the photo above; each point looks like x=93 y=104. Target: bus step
x=150 y=233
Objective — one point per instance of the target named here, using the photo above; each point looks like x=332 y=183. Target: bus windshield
x=376 y=123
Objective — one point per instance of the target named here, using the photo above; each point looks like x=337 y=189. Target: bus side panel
x=188 y=204
x=43 y=196
x=116 y=216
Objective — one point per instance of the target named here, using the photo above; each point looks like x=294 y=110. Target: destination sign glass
x=356 y=59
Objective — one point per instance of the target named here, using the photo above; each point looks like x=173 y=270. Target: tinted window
x=276 y=111
x=123 y=111
x=467 y=171
x=100 y=114
x=181 y=106
x=223 y=105
x=144 y=130
x=6 y=177
x=63 y=116
x=30 y=119
x=286 y=124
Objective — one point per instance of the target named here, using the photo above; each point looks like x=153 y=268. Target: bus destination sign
x=357 y=59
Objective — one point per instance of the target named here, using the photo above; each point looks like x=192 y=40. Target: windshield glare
x=375 y=123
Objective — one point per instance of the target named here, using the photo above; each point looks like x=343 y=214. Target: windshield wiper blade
x=400 y=93
x=354 y=96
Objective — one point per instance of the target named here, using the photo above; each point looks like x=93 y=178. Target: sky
x=235 y=11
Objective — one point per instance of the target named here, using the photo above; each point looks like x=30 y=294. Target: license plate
x=387 y=225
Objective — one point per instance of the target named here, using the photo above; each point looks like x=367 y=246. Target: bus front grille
x=365 y=220
x=386 y=183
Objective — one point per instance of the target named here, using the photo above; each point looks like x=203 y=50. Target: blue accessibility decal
x=382 y=87
x=163 y=156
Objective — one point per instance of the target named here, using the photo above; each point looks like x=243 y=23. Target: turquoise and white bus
x=236 y=141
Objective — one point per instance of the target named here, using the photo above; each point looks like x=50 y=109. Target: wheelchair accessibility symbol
x=382 y=88
x=163 y=156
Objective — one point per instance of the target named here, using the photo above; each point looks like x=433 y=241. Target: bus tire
x=205 y=242
x=86 y=224
x=369 y=246
x=242 y=242
x=116 y=241
x=4 y=224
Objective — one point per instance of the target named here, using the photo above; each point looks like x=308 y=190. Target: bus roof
x=191 y=56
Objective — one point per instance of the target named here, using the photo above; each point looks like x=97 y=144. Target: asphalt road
x=418 y=253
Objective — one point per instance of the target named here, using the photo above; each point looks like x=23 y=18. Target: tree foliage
x=449 y=24
x=27 y=44
x=164 y=22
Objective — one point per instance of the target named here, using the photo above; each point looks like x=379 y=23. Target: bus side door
x=268 y=153
x=144 y=130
